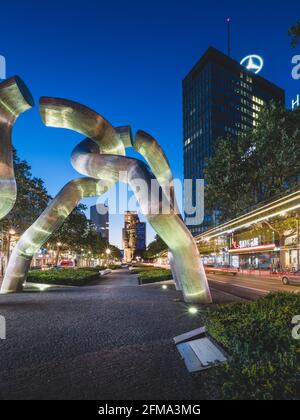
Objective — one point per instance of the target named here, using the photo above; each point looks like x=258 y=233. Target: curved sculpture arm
x=40 y=232
x=173 y=267
x=15 y=99
x=151 y=151
x=168 y=226
x=63 y=113
x=149 y=148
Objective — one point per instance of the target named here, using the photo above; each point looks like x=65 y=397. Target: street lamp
x=108 y=254
x=89 y=258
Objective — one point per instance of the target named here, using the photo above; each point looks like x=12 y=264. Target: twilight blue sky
x=126 y=60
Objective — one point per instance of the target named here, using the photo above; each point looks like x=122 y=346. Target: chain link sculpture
x=101 y=158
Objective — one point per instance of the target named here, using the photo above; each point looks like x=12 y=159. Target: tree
x=115 y=252
x=282 y=227
x=155 y=247
x=79 y=235
x=257 y=165
x=32 y=198
x=72 y=232
x=294 y=32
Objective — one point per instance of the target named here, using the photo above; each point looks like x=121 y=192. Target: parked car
x=67 y=264
x=291 y=278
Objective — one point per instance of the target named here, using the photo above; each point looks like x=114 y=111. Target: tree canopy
x=155 y=247
x=255 y=166
x=32 y=199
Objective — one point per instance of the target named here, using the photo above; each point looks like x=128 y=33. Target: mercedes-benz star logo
x=253 y=63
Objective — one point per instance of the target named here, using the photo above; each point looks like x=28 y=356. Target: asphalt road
x=108 y=341
x=249 y=287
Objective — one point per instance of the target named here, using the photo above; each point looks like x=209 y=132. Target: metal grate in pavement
x=201 y=354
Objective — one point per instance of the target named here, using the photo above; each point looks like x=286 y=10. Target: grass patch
x=144 y=268
x=64 y=277
x=265 y=359
x=153 y=275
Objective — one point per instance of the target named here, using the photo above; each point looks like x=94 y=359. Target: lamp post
x=81 y=257
x=108 y=254
x=89 y=258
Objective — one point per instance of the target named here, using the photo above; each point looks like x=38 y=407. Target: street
x=249 y=287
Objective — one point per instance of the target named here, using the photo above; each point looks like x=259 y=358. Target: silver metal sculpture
x=102 y=157
x=15 y=99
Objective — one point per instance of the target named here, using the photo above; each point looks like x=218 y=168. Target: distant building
x=134 y=236
x=100 y=218
x=141 y=237
x=220 y=98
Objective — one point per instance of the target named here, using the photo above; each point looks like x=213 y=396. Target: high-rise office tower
x=100 y=218
x=134 y=236
x=220 y=97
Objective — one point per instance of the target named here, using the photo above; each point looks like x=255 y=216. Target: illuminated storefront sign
x=253 y=63
x=249 y=243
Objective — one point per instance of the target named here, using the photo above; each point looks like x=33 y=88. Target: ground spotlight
x=193 y=310
x=43 y=287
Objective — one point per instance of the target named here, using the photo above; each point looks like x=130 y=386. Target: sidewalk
x=112 y=341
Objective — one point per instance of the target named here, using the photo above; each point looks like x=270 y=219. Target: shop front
x=262 y=258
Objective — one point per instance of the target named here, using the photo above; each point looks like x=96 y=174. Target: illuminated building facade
x=220 y=98
x=134 y=236
x=265 y=239
x=100 y=218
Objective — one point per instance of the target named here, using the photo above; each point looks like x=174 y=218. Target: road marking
x=242 y=287
x=227 y=293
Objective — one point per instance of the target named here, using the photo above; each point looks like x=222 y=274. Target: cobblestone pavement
x=107 y=341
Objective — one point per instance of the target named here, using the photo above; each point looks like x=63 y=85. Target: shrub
x=114 y=267
x=155 y=275
x=264 y=358
x=64 y=277
x=142 y=269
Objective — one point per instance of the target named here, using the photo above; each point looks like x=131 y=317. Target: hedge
x=64 y=277
x=154 y=275
x=264 y=358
